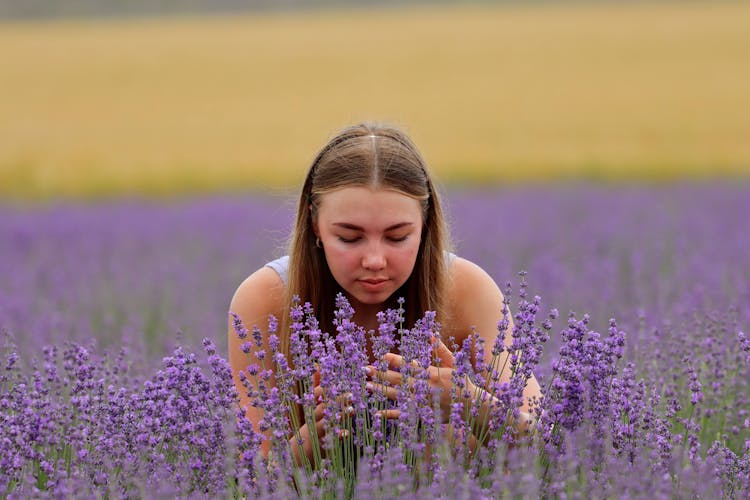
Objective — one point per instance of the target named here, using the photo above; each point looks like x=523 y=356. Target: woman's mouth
x=373 y=284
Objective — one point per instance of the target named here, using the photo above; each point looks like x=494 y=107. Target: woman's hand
x=440 y=378
x=309 y=434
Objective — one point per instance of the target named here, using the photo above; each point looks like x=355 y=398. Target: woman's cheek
x=341 y=258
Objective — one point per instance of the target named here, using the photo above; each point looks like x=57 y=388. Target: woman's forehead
x=367 y=206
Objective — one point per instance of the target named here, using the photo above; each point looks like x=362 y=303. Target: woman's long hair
x=380 y=157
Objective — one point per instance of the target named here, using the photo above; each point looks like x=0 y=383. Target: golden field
x=489 y=93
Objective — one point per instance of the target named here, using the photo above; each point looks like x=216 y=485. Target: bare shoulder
x=474 y=301
x=468 y=279
x=260 y=294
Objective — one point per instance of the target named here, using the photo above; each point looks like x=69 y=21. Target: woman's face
x=370 y=238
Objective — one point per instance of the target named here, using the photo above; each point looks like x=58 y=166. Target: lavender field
x=113 y=345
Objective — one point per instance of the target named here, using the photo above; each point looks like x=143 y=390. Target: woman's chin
x=368 y=299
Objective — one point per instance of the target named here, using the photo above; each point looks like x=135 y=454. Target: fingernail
x=367 y=370
x=378 y=414
x=369 y=386
x=350 y=410
x=344 y=433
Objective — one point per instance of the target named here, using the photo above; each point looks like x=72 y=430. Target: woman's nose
x=374 y=257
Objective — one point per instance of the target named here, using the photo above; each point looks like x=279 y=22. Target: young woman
x=369 y=224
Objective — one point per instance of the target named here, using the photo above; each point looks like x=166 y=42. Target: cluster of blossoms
x=360 y=445
x=82 y=425
x=78 y=426
x=101 y=411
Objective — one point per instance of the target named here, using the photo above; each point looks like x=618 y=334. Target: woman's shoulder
x=281 y=266
x=260 y=294
x=265 y=277
x=473 y=299
x=466 y=276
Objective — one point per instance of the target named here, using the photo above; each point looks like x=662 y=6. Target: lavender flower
x=104 y=390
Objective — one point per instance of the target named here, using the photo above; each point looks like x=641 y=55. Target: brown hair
x=375 y=156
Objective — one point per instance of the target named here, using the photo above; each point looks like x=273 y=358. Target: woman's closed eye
x=349 y=240
x=354 y=239
x=398 y=239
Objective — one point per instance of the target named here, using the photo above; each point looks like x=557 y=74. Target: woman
x=369 y=224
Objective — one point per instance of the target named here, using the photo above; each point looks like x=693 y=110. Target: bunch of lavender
x=352 y=427
x=80 y=426
x=361 y=427
x=493 y=418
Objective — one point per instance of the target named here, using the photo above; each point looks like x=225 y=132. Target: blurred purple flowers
x=90 y=406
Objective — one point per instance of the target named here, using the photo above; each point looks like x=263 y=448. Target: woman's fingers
x=393 y=377
x=387 y=378
x=389 y=382
x=396 y=361
x=320 y=427
x=320 y=396
x=443 y=353
x=387 y=391
x=443 y=358
x=388 y=414
x=319 y=410
x=318 y=393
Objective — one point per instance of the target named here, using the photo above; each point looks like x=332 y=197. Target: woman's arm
x=477 y=302
x=260 y=295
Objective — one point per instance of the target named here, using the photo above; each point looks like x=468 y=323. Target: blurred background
x=110 y=98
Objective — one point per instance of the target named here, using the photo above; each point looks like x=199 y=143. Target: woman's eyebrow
x=355 y=227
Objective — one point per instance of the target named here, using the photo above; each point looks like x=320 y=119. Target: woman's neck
x=366 y=316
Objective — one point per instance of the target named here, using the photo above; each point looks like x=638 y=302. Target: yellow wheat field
x=502 y=93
